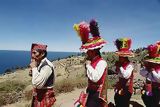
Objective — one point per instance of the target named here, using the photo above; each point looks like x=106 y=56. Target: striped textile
x=43 y=98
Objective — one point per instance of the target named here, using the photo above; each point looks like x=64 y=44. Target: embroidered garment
x=43 y=98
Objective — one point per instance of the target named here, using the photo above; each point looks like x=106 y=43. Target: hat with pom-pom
x=123 y=45
x=83 y=29
x=154 y=53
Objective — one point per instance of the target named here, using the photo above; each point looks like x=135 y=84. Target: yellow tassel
x=76 y=28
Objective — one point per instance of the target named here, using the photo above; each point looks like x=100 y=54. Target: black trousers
x=122 y=100
x=93 y=99
x=154 y=100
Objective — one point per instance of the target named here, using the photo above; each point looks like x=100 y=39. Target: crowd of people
x=42 y=72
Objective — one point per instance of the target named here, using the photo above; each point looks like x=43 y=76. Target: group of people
x=42 y=72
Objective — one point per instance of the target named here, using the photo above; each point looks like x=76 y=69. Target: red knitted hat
x=36 y=46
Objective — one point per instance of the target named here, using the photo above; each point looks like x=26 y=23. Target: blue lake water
x=15 y=59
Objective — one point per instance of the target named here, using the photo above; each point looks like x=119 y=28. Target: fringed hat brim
x=92 y=44
x=154 y=60
x=125 y=54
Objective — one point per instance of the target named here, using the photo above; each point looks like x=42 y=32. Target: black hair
x=118 y=44
x=98 y=51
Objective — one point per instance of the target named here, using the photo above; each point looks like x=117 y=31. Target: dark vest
x=51 y=78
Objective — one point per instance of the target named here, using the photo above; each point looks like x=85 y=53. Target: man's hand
x=88 y=62
x=33 y=64
x=30 y=71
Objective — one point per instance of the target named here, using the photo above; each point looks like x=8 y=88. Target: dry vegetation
x=16 y=86
x=70 y=75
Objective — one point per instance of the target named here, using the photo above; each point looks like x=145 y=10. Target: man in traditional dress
x=96 y=67
x=42 y=77
x=124 y=70
x=151 y=71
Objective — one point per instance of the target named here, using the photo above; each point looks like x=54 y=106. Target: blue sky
x=23 y=22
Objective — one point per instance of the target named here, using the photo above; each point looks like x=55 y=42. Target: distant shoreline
x=14 y=59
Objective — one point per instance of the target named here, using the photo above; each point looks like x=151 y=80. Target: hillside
x=16 y=87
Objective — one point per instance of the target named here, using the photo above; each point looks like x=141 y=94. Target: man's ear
x=42 y=54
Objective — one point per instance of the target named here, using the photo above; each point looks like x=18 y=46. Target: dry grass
x=80 y=81
x=68 y=84
x=28 y=95
x=9 y=86
x=58 y=74
x=64 y=86
x=11 y=91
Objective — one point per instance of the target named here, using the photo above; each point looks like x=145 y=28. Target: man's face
x=36 y=55
x=122 y=59
x=91 y=54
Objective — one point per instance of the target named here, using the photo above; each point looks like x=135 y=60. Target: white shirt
x=96 y=74
x=39 y=78
x=125 y=73
x=156 y=76
x=152 y=75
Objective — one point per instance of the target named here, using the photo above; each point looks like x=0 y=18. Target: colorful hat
x=83 y=29
x=123 y=45
x=154 y=53
x=36 y=46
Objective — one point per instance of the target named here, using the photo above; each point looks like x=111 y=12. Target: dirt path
x=68 y=99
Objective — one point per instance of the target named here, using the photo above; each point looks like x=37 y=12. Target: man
x=151 y=71
x=96 y=67
x=96 y=72
x=124 y=70
x=42 y=77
